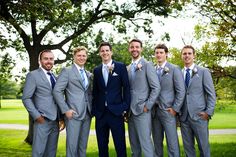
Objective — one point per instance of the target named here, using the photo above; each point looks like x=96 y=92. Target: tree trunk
x=33 y=65
x=29 y=137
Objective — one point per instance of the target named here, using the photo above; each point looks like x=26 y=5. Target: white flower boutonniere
x=194 y=72
x=111 y=68
x=139 y=67
x=166 y=70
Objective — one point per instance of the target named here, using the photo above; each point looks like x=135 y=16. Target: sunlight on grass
x=224 y=117
x=11 y=144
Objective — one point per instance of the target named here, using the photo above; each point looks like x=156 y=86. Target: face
x=135 y=50
x=105 y=54
x=188 y=56
x=160 y=55
x=80 y=58
x=47 y=60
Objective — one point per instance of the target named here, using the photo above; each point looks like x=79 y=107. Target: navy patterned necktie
x=187 y=77
x=52 y=80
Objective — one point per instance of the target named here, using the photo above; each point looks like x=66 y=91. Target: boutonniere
x=111 y=68
x=166 y=70
x=194 y=72
x=139 y=67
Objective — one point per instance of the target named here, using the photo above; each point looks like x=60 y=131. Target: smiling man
x=38 y=100
x=168 y=103
x=198 y=105
x=73 y=94
x=111 y=99
x=145 y=88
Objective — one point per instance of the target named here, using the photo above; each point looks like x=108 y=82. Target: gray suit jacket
x=200 y=95
x=172 y=88
x=144 y=88
x=37 y=96
x=69 y=92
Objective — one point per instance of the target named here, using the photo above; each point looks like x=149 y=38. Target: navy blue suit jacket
x=116 y=93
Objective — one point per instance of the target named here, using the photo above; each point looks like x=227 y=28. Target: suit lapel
x=163 y=70
x=44 y=77
x=100 y=76
x=110 y=73
x=77 y=74
x=192 y=76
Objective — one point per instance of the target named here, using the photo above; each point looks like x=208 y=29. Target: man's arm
x=28 y=93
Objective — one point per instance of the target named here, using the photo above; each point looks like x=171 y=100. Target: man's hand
x=69 y=113
x=171 y=111
x=61 y=125
x=145 y=109
x=203 y=115
x=40 y=120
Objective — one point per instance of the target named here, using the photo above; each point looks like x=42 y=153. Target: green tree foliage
x=220 y=45
x=8 y=87
x=220 y=35
x=52 y=24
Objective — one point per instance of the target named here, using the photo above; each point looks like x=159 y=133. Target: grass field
x=11 y=144
x=224 y=117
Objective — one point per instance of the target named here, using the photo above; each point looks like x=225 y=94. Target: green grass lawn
x=12 y=144
x=224 y=117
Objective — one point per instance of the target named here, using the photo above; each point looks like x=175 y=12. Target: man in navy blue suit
x=111 y=100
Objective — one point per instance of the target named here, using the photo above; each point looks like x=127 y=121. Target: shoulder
x=174 y=67
x=35 y=72
x=97 y=68
x=202 y=69
x=119 y=64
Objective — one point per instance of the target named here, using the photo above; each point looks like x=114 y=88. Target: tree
x=220 y=35
x=61 y=25
x=8 y=88
x=220 y=41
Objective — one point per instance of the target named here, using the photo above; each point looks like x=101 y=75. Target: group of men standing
x=148 y=97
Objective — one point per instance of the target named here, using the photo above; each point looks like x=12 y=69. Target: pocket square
x=114 y=74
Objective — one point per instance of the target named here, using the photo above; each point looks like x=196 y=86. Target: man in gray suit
x=38 y=100
x=73 y=94
x=168 y=104
x=145 y=88
x=198 y=106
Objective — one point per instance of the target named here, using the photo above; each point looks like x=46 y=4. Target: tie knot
x=188 y=70
x=49 y=73
x=81 y=70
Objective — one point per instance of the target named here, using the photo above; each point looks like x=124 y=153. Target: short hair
x=44 y=51
x=162 y=46
x=188 y=47
x=136 y=40
x=105 y=44
x=80 y=48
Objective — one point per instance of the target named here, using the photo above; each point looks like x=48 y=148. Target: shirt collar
x=78 y=67
x=162 y=66
x=45 y=71
x=136 y=61
x=108 y=64
x=191 y=67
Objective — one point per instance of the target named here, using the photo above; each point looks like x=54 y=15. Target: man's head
x=46 y=59
x=105 y=51
x=135 y=48
x=188 y=55
x=80 y=55
x=161 y=53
